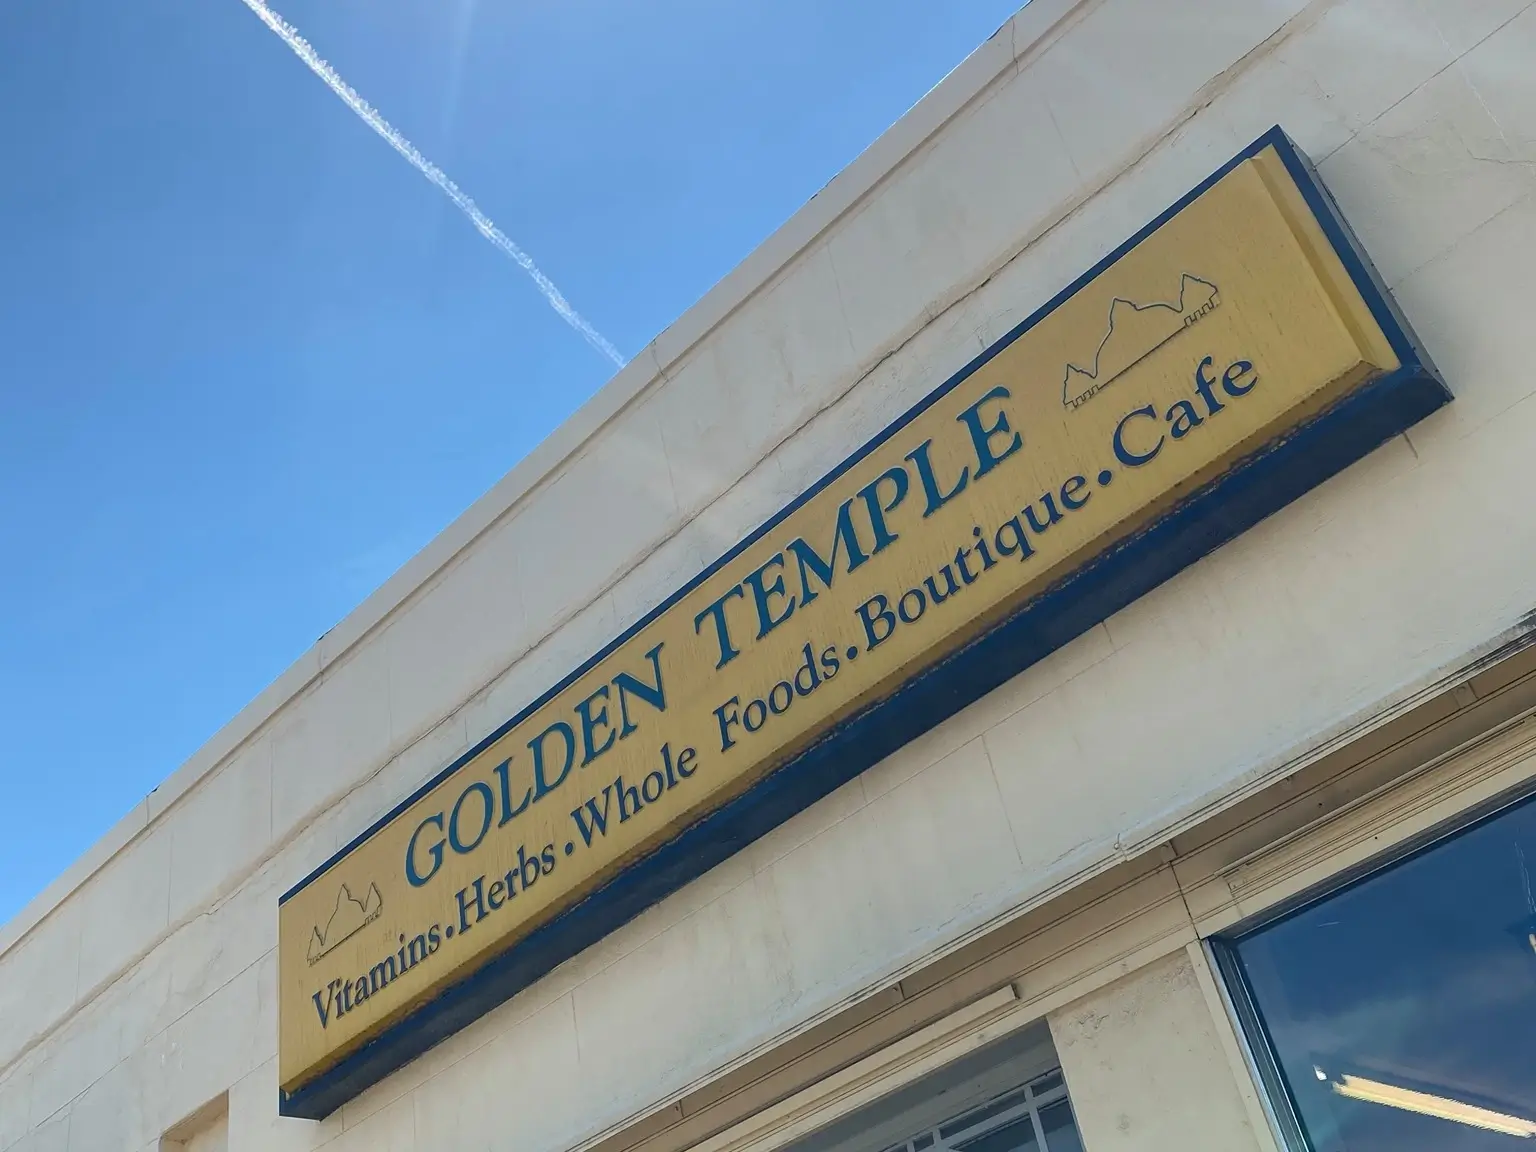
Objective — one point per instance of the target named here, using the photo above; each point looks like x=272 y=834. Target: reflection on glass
x=1402 y=1010
x=1060 y=1130
x=985 y=1112
x=1048 y=1083
x=1016 y=1137
x=1427 y=1104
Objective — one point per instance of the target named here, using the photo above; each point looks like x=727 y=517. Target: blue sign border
x=1250 y=490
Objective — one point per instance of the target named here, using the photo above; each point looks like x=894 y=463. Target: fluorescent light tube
x=1373 y=1092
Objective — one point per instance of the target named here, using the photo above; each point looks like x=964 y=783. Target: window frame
x=1034 y=1101
x=1222 y=947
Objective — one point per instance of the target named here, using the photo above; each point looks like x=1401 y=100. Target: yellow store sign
x=1226 y=359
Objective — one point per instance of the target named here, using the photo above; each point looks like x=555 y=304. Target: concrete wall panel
x=1145 y=1067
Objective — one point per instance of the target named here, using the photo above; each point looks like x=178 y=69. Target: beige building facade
x=1118 y=900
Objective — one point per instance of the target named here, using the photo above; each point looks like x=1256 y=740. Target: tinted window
x=1401 y=1012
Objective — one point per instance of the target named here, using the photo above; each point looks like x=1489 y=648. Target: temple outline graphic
x=349 y=917
x=1141 y=328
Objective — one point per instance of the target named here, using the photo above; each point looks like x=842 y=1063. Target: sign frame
x=1249 y=490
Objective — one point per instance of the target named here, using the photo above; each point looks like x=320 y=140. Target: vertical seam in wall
x=997 y=790
x=1189 y=915
x=1066 y=149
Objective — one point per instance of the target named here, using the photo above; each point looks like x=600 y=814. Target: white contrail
x=369 y=116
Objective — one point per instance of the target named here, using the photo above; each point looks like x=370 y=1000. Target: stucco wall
x=1146 y=1069
x=141 y=986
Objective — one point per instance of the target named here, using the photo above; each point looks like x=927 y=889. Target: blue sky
x=251 y=361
